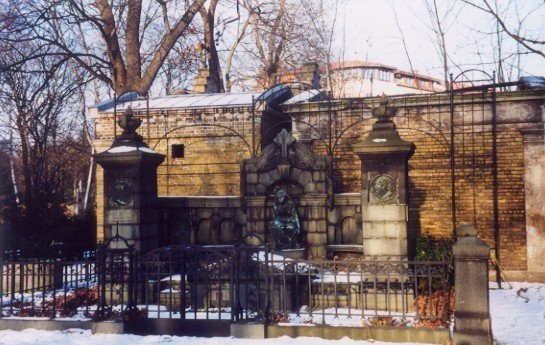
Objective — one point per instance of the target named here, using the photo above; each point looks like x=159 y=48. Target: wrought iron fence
x=363 y=292
x=201 y=282
x=237 y=283
x=229 y=283
x=50 y=288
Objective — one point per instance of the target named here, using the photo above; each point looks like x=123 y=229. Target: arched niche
x=293 y=188
x=253 y=240
x=350 y=233
x=206 y=233
x=228 y=232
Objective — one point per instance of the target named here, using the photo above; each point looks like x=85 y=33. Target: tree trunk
x=213 y=61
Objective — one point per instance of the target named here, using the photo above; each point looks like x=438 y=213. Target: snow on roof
x=359 y=64
x=193 y=101
x=209 y=100
x=307 y=96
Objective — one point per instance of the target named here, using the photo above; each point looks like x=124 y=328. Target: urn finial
x=128 y=122
x=383 y=112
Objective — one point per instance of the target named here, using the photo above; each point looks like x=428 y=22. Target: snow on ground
x=518 y=318
x=518 y=314
x=81 y=337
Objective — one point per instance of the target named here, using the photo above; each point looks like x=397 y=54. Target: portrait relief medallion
x=383 y=188
x=121 y=193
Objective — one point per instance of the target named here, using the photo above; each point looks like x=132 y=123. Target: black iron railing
x=358 y=292
x=253 y=283
x=50 y=288
x=229 y=283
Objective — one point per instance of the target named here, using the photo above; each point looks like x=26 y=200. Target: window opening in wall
x=178 y=150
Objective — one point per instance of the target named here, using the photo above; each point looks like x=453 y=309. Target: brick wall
x=213 y=155
x=425 y=120
x=211 y=165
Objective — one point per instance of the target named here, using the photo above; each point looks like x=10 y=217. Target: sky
x=367 y=30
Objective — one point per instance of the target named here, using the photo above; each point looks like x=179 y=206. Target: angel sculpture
x=285 y=226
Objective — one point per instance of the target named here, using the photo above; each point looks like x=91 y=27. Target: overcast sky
x=367 y=29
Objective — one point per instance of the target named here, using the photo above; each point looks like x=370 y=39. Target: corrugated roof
x=193 y=101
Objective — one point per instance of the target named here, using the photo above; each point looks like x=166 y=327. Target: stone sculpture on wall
x=285 y=159
x=285 y=226
x=284 y=170
x=284 y=151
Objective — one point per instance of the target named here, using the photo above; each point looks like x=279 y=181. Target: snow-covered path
x=518 y=318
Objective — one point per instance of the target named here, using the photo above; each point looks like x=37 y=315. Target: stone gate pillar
x=384 y=186
x=472 y=317
x=130 y=187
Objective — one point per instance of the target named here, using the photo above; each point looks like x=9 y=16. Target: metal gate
x=116 y=280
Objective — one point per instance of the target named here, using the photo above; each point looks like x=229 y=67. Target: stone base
x=296 y=254
x=104 y=327
x=386 y=247
x=369 y=300
x=248 y=330
x=381 y=333
x=385 y=230
x=344 y=251
x=472 y=339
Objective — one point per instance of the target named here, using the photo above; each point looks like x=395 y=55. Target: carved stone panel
x=383 y=190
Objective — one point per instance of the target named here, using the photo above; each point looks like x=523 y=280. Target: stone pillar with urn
x=130 y=188
x=384 y=159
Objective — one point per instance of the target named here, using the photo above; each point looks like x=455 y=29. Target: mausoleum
x=362 y=176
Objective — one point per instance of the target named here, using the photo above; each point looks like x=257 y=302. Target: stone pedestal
x=534 y=194
x=384 y=171
x=472 y=317
x=130 y=189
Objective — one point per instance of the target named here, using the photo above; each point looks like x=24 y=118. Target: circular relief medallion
x=121 y=193
x=383 y=188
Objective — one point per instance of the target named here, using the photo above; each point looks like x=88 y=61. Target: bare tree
x=123 y=28
x=240 y=34
x=514 y=27
x=531 y=42
x=323 y=31
x=36 y=97
x=442 y=18
x=405 y=48
x=283 y=37
x=212 y=59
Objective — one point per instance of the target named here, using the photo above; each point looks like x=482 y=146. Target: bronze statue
x=285 y=225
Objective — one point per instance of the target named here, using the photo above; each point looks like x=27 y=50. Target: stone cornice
x=404 y=101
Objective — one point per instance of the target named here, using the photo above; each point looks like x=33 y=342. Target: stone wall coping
x=437 y=99
x=343 y=198
x=229 y=201
x=381 y=333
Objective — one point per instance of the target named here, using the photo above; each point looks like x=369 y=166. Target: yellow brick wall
x=430 y=209
x=212 y=159
x=211 y=165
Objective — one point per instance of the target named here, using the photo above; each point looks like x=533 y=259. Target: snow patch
x=518 y=313
x=121 y=149
x=145 y=149
x=76 y=336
